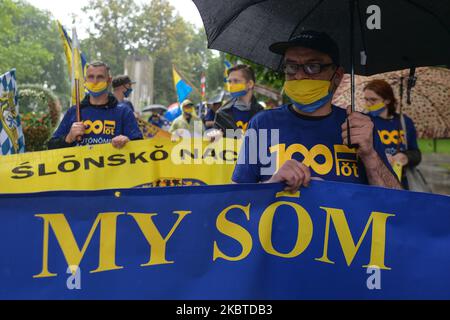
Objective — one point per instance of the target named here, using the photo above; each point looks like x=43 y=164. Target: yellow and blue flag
x=12 y=140
x=80 y=59
x=181 y=86
x=77 y=70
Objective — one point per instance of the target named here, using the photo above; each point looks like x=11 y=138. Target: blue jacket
x=103 y=123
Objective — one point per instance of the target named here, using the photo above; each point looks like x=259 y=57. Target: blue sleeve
x=244 y=171
x=66 y=124
x=411 y=134
x=126 y=104
x=130 y=125
x=210 y=115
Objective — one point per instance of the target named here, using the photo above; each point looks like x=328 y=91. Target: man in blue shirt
x=122 y=89
x=308 y=137
x=213 y=106
x=103 y=120
x=236 y=114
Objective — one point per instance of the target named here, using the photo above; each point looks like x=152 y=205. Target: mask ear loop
x=331 y=80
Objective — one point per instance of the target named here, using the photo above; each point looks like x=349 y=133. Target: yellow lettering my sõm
x=154 y=238
x=69 y=246
x=378 y=221
x=304 y=235
x=233 y=231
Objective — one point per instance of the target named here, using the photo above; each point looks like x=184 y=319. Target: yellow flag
x=66 y=45
x=77 y=69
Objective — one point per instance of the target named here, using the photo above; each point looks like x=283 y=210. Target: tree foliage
x=118 y=29
x=29 y=42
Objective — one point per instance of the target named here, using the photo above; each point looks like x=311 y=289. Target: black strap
x=412 y=79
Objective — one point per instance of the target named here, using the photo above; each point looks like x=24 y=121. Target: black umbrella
x=388 y=34
x=385 y=35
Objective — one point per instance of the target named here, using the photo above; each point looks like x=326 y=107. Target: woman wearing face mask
x=399 y=139
x=236 y=114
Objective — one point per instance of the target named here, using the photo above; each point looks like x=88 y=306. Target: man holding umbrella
x=313 y=134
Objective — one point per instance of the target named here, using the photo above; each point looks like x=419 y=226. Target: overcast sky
x=62 y=10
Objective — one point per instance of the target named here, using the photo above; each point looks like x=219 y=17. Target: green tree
x=170 y=40
x=119 y=29
x=111 y=31
x=29 y=42
x=264 y=76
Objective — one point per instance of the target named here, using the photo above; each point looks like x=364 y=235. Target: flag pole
x=77 y=99
x=76 y=81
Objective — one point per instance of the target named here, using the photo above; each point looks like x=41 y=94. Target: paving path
x=436 y=169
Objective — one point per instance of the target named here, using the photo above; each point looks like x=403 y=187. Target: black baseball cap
x=316 y=40
x=121 y=81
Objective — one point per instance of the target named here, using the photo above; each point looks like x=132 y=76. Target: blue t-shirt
x=315 y=141
x=127 y=103
x=102 y=124
x=241 y=118
x=388 y=132
x=210 y=115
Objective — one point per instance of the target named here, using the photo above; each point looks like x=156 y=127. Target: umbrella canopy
x=155 y=108
x=221 y=97
x=429 y=108
x=393 y=35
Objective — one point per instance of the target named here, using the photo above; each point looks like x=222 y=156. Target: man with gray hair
x=103 y=120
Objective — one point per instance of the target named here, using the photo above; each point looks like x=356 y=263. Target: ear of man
x=251 y=84
x=339 y=75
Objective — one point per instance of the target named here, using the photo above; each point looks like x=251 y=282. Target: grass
x=434 y=145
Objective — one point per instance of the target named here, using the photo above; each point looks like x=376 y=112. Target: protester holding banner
x=103 y=120
x=188 y=124
x=237 y=113
x=312 y=133
x=122 y=89
x=398 y=136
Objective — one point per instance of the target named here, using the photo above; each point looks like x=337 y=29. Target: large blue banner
x=330 y=241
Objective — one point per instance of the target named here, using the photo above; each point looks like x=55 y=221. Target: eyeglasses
x=308 y=68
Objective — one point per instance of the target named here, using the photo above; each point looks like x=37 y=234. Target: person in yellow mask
x=103 y=120
x=235 y=115
x=188 y=124
x=399 y=139
x=307 y=137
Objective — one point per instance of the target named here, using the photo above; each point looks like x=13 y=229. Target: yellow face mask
x=96 y=89
x=189 y=110
x=376 y=107
x=306 y=92
x=237 y=89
